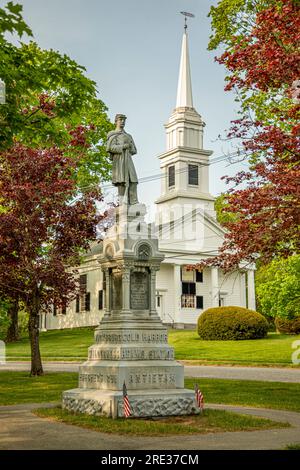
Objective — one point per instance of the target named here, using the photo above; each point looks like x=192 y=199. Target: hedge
x=290 y=327
x=231 y=323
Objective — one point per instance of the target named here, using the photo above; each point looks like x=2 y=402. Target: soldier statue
x=121 y=147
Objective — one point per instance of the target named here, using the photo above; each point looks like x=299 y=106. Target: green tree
x=221 y=207
x=259 y=43
x=50 y=101
x=42 y=235
x=264 y=94
x=278 y=288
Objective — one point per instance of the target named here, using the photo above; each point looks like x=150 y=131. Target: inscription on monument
x=131 y=354
x=166 y=379
x=116 y=291
x=149 y=337
x=139 y=293
x=91 y=380
x=131 y=341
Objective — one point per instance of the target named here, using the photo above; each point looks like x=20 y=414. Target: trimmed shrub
x=290 y=327
x=270 y=321
x=231 y=323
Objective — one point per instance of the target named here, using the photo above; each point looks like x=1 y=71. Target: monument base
x=144 y=403
x=131 y=343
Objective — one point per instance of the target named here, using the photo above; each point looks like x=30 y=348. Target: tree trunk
x=13 y=329
x=33 y=328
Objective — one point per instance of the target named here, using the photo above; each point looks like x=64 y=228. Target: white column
x=214 y=287
x=153 y=291
x=42 y=326
x=125 y=289
x=243 y=289
x=164 y=179
x=177 y=293
x=251 y=290
x=182 y=176
x=107 y=291
x=45 y=322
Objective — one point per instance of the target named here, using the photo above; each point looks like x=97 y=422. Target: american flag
x=126 y=404
x=199 y=397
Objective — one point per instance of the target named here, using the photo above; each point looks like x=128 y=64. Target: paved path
x=267 y=374
x=22 y=430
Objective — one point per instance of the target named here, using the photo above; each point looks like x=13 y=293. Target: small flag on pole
x=126 y=404
x=199 y=397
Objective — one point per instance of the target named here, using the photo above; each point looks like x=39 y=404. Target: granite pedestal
x=131 y=342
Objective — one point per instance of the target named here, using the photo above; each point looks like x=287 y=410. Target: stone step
x=143 y=403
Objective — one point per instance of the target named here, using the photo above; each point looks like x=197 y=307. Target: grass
x=18 y=387
x=68 y=344
x=276 y=395
x=275 y=349
x=72 y=344
x=292 y=447
x=210 y=421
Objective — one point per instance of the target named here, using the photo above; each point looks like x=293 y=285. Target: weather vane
x=186 y=14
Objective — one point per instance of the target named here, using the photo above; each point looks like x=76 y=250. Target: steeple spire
x=184 y=90
x=185 y=163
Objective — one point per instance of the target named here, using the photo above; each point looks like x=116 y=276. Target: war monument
x=131 y=343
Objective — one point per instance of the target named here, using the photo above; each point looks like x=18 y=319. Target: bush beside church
x=231 y=323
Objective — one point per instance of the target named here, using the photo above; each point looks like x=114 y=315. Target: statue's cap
x=120 y=116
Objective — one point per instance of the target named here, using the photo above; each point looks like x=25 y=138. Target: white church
x=187 y=230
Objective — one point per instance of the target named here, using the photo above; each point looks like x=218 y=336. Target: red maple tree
x=265 y=199
x=43 y=230
x=269 y=55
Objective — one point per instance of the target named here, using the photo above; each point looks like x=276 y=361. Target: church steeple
x=185 y=163
x=184 y=89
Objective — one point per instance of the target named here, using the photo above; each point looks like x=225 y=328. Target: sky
x=131 y=49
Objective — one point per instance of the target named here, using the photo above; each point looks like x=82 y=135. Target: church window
x=188 y=297
x=199 y=301
x=193 y=175
x=84 y=296
x=171 y=176
x=60 y=309
x=83 y=283
x=87 y=302
x=77 y=307
x=189 y=288
x=187 y=301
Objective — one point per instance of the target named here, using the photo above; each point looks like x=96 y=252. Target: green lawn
x=277 y=395
x=72 y=344
x=18 y=387
x=274 y=350
x=65 y=344
x=210 y=421
x=292 y=447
